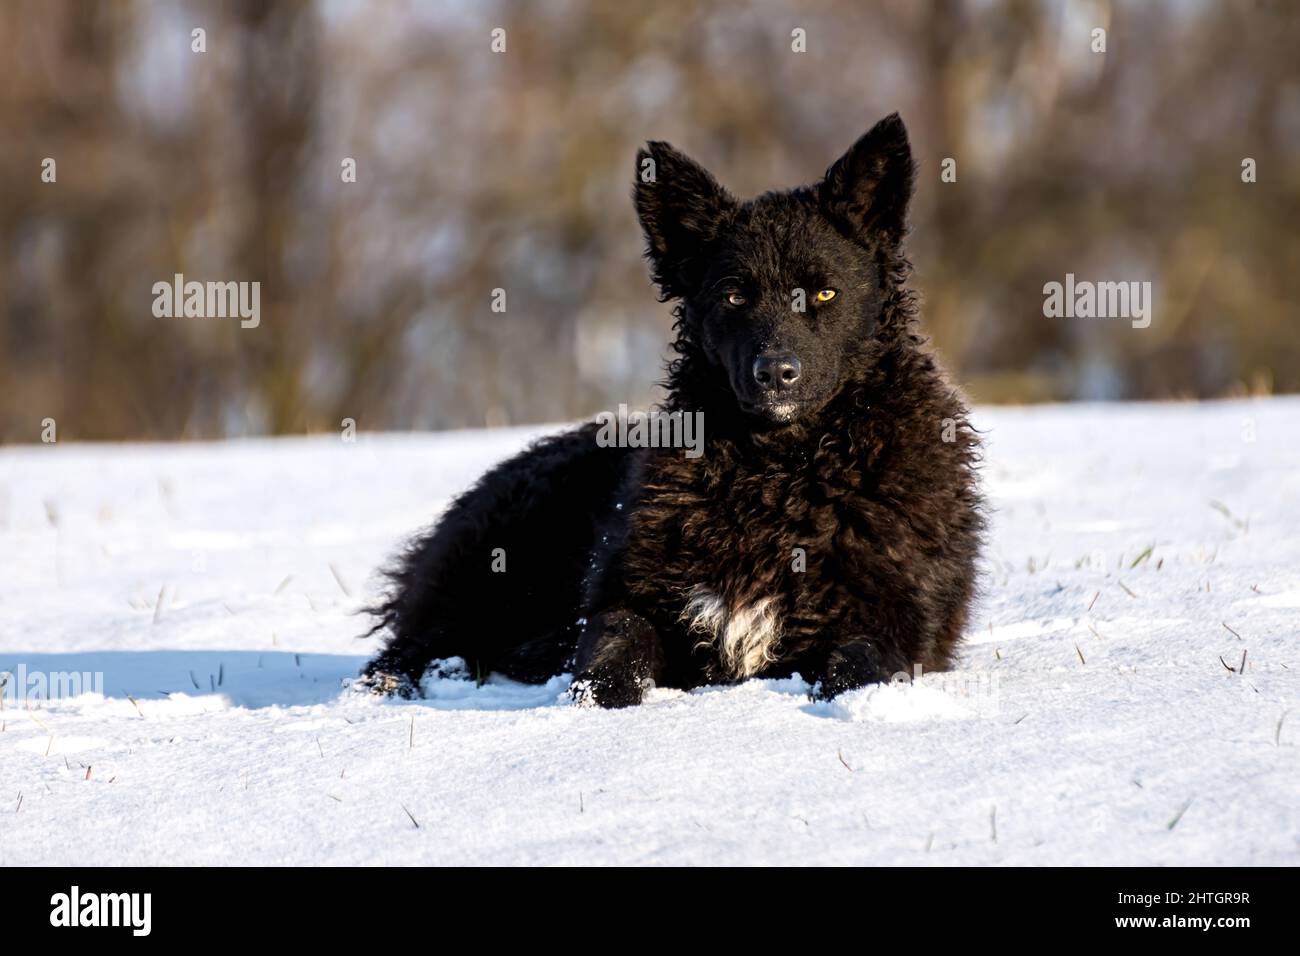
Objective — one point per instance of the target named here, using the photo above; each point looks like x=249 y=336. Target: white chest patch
x=745 y=636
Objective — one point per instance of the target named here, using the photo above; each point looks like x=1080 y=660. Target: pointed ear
x=867 y=189
x=682 y=210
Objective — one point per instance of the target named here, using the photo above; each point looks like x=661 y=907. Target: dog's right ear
x=682 y=210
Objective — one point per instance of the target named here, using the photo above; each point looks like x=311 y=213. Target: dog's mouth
x=779 y=410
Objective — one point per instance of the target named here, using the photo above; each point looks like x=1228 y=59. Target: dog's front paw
x=618 y=658
x=609 y=689
x=848 y=667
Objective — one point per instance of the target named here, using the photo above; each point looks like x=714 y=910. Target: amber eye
x=825 y=295
x=734 y=298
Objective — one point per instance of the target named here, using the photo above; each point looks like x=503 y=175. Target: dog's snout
x=777 y=370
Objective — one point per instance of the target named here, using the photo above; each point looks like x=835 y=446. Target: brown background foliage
x=479 y=170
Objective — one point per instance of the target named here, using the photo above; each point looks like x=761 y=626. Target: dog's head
x=782 y=292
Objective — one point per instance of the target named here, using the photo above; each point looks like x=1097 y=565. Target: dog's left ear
x=867 y=190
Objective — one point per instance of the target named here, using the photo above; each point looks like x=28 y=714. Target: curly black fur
x=830 y=528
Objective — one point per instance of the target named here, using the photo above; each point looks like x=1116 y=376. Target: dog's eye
x=825 y=295
x=734 y=298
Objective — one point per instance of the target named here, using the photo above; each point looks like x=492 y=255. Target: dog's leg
x=619 y=655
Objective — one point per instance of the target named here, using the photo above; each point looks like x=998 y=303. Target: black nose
x=777 y=370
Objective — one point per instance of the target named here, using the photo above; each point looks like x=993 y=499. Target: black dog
x=831 y=525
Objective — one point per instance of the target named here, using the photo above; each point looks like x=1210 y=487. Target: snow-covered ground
x=1138 y=555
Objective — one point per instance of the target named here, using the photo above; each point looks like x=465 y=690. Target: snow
x=192 y=610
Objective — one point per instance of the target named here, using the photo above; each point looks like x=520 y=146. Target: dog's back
x=497 y=580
